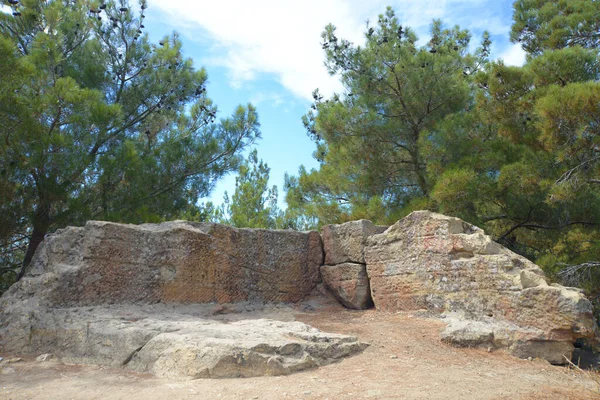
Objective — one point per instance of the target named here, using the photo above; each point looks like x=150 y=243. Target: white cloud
x=514 y=55
x=274 y=99
x=282 y=38
x=270 y=36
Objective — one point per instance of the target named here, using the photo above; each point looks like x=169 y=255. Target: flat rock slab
x=201 y=341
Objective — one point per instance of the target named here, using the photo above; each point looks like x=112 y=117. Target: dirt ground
x=405 y=360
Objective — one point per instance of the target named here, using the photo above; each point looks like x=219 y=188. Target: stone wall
x=488 y=295
x=426 y=262
x=175 y=262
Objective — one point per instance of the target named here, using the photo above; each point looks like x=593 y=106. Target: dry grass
x=588 y=374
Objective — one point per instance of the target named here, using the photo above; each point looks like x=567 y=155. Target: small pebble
x=43 y=357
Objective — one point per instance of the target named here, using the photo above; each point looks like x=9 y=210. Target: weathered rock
x=12 y=360
x=43 y=357
x=349 y=284
x=555 y=352
x=430 y=261
x=468 y=333
x=175 y=341
x=344 y=271
x=173 y=262
x=494 y=334
x=586 y=358
x=115 y=295
x=345 y=242
x=492 y=297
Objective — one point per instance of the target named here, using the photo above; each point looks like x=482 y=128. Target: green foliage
x=96 y=122
x=544 y=25
x=535 y=176
x=456 y=192
x=538 y=193
x=512 y=149
x=310 y=201
x=253 y=204
x=372 y=140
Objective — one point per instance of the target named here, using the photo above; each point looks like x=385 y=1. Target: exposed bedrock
x=349 y=284
x=81 y=279
x=346 y=242
x=176 y=340
x=493 y=297
x=113 y=294
x=173 y=262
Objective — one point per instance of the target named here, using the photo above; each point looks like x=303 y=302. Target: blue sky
x=267 y=52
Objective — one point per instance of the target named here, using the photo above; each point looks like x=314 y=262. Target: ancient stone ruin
x=345 y=272
x=490 y=296
x=149 y=297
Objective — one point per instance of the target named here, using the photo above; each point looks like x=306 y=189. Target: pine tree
x=370 y=139
x=550 y=25
x=253 y=204
x=95 y=122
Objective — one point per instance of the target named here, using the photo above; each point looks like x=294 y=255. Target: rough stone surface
x=100 y=294
x=494 y=334
x=117 y=295
x=345 y=242
x=44 y=357
x=442 y=264
x=173 y=262
x=349 y=284
x=178 y=341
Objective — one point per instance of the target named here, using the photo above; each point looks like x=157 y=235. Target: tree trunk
x=416 y=159
x=420 y=172
x=41 y=224
x=422 y=181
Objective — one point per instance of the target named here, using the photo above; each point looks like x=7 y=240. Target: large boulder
x=173 y=262
x=431 y=262
x=346 y=242
x=344 y=272
x=490 y=333
x=349 y=284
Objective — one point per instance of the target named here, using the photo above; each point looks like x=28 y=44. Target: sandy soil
x=406 y=360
